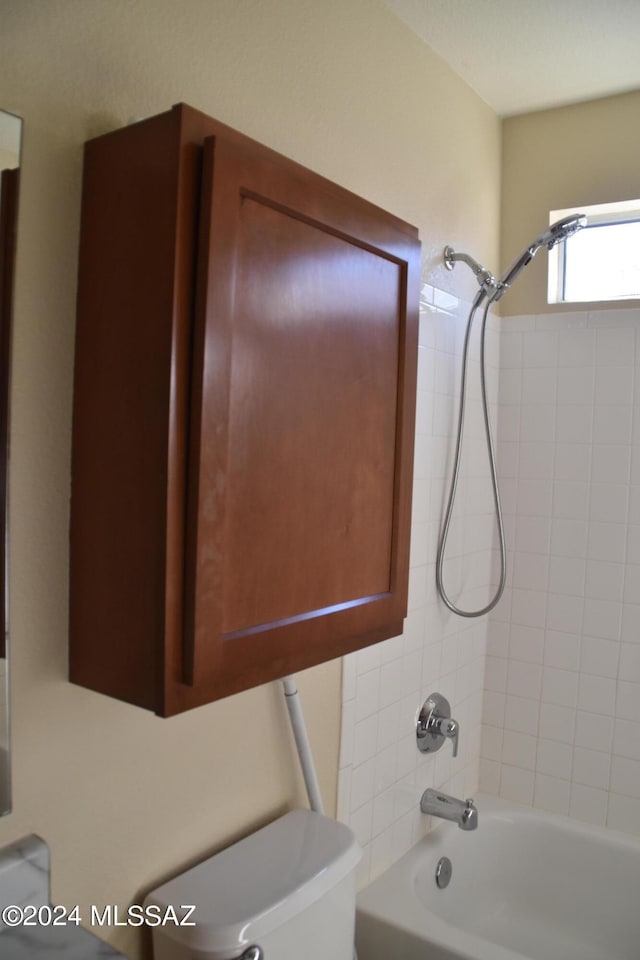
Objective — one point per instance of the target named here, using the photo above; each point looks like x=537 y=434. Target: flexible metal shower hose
x=442 y=543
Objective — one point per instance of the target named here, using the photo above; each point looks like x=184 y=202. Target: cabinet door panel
x=298 y=492
x=312 y=421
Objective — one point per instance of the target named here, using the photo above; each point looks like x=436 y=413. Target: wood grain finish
x=243 y=416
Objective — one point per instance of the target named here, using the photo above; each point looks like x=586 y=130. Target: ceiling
x=524 y=55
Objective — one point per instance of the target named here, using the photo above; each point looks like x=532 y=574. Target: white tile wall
x=382 y=774
x=561 y=713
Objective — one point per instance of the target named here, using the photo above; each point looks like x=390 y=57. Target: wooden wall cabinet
x=243 y=416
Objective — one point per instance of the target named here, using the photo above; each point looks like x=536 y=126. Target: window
x=601 y=261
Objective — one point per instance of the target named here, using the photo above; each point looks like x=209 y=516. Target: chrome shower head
x=557 y=232
x=562 y=230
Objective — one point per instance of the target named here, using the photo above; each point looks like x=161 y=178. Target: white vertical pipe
x=299 y=728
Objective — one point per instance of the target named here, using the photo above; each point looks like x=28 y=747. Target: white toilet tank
x=289 y=889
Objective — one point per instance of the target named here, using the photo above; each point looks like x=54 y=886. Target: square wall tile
x=574 y=423
x=564 y=613
x=600 y=657
x=597 y=695
x=576 y=348
x=534 y=498
x=517 y=784
x=539 y=385
x=594 y=732
x=571 y=499
x=519 y=750
x=611 y=463
x=521 y=715
x=591 y=768
x=552 y=794
x=537 y=424
x=530 y=571
x=572 y=462
x=576 y=385
x=607 y=541
x=526 y=643
x=540 y=348
x=567 y=575
x=609 y=502
x=615 y=346
x=614 y=385
x=533 y=534
x=569 y=538
x=605 y=581
x=524 y=679
x=560 y=687
x=554 y=759
x=588 y=804
x=612 y=424
x=557 y=723
x=562 y=650
x=602 y=618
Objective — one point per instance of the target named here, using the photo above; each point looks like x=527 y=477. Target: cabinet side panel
x=121 y=410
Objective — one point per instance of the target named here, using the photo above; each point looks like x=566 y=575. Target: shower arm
x=488 y=283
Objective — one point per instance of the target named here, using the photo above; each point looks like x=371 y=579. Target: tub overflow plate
x=444 y=870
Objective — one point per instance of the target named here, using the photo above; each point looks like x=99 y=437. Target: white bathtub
x=526 y=886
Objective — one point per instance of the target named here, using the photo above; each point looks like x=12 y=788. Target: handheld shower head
x=562 y=230
x=557 y=232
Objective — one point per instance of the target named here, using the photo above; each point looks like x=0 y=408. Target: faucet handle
x=450 y=728
x=435 y=725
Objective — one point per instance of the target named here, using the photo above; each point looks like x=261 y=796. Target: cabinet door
x=301 y=437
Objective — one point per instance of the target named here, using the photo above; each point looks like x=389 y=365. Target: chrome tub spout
x=462 y=812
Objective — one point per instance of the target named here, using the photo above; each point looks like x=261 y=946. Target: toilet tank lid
x=259 y=883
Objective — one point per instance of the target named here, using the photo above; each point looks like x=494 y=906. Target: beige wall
x=583 y=154
x=123 y=798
